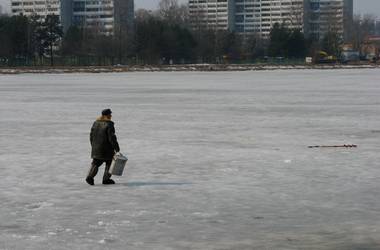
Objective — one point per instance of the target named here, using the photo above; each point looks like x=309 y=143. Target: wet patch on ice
x=258 y=217
x=9 y=227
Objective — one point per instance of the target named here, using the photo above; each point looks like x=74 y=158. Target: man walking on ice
x=104 y=146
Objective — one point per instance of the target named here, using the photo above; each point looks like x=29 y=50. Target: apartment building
x=107 y=16
x=377 y=27
x=211 y=14
x=313 y=17
x=94 y=14
x=40 y=7
x=324 y=16
x=247 y=16
x=288 y=12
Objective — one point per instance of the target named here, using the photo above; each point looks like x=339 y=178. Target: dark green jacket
x=103 y=140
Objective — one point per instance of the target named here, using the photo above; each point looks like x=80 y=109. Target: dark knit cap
x=106 y=112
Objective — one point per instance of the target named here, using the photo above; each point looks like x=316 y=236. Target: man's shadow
x=143 y=183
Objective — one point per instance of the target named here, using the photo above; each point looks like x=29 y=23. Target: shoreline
x=177 y=68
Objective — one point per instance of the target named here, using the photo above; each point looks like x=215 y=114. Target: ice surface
x=216 y=161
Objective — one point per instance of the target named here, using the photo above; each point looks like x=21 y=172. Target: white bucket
x=118 y=164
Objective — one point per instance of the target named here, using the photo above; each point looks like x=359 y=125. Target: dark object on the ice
x=336 y=146
x=90 y=180
x=108 y=182
x=258 y=218
x=104 y=146
x=106 y=112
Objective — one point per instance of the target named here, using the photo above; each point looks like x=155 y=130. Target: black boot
x=90 y=180
x=108 y=182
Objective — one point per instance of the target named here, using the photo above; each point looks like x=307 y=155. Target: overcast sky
x=361 y=6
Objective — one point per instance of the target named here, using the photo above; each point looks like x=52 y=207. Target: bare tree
x=198 y=18
x=143 y=14
x=172 y=12
x=362 y=27
x=294 y=18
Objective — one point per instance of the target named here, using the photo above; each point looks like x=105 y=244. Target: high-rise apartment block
x=108 y=16
x=288 y=12
x=377 y=27
x=105 y=15
x=322 y=16
x=212 y=14
x=41 y=8
x=313 y=17
x=94 y=14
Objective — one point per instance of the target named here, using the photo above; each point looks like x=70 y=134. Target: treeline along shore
x=165 y=37
x=179 y=68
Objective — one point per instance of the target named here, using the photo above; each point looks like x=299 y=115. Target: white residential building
x=212 y=14
x=107 y=16
x=94 y=14
x=288 y=12
x=324 y=16
x=247 y=16
x=313 y=17
x=40 y=7
x=377 y=27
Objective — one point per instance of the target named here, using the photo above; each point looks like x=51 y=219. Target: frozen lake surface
x=217 y=161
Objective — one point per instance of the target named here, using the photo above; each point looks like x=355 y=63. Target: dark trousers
x=96 y=163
